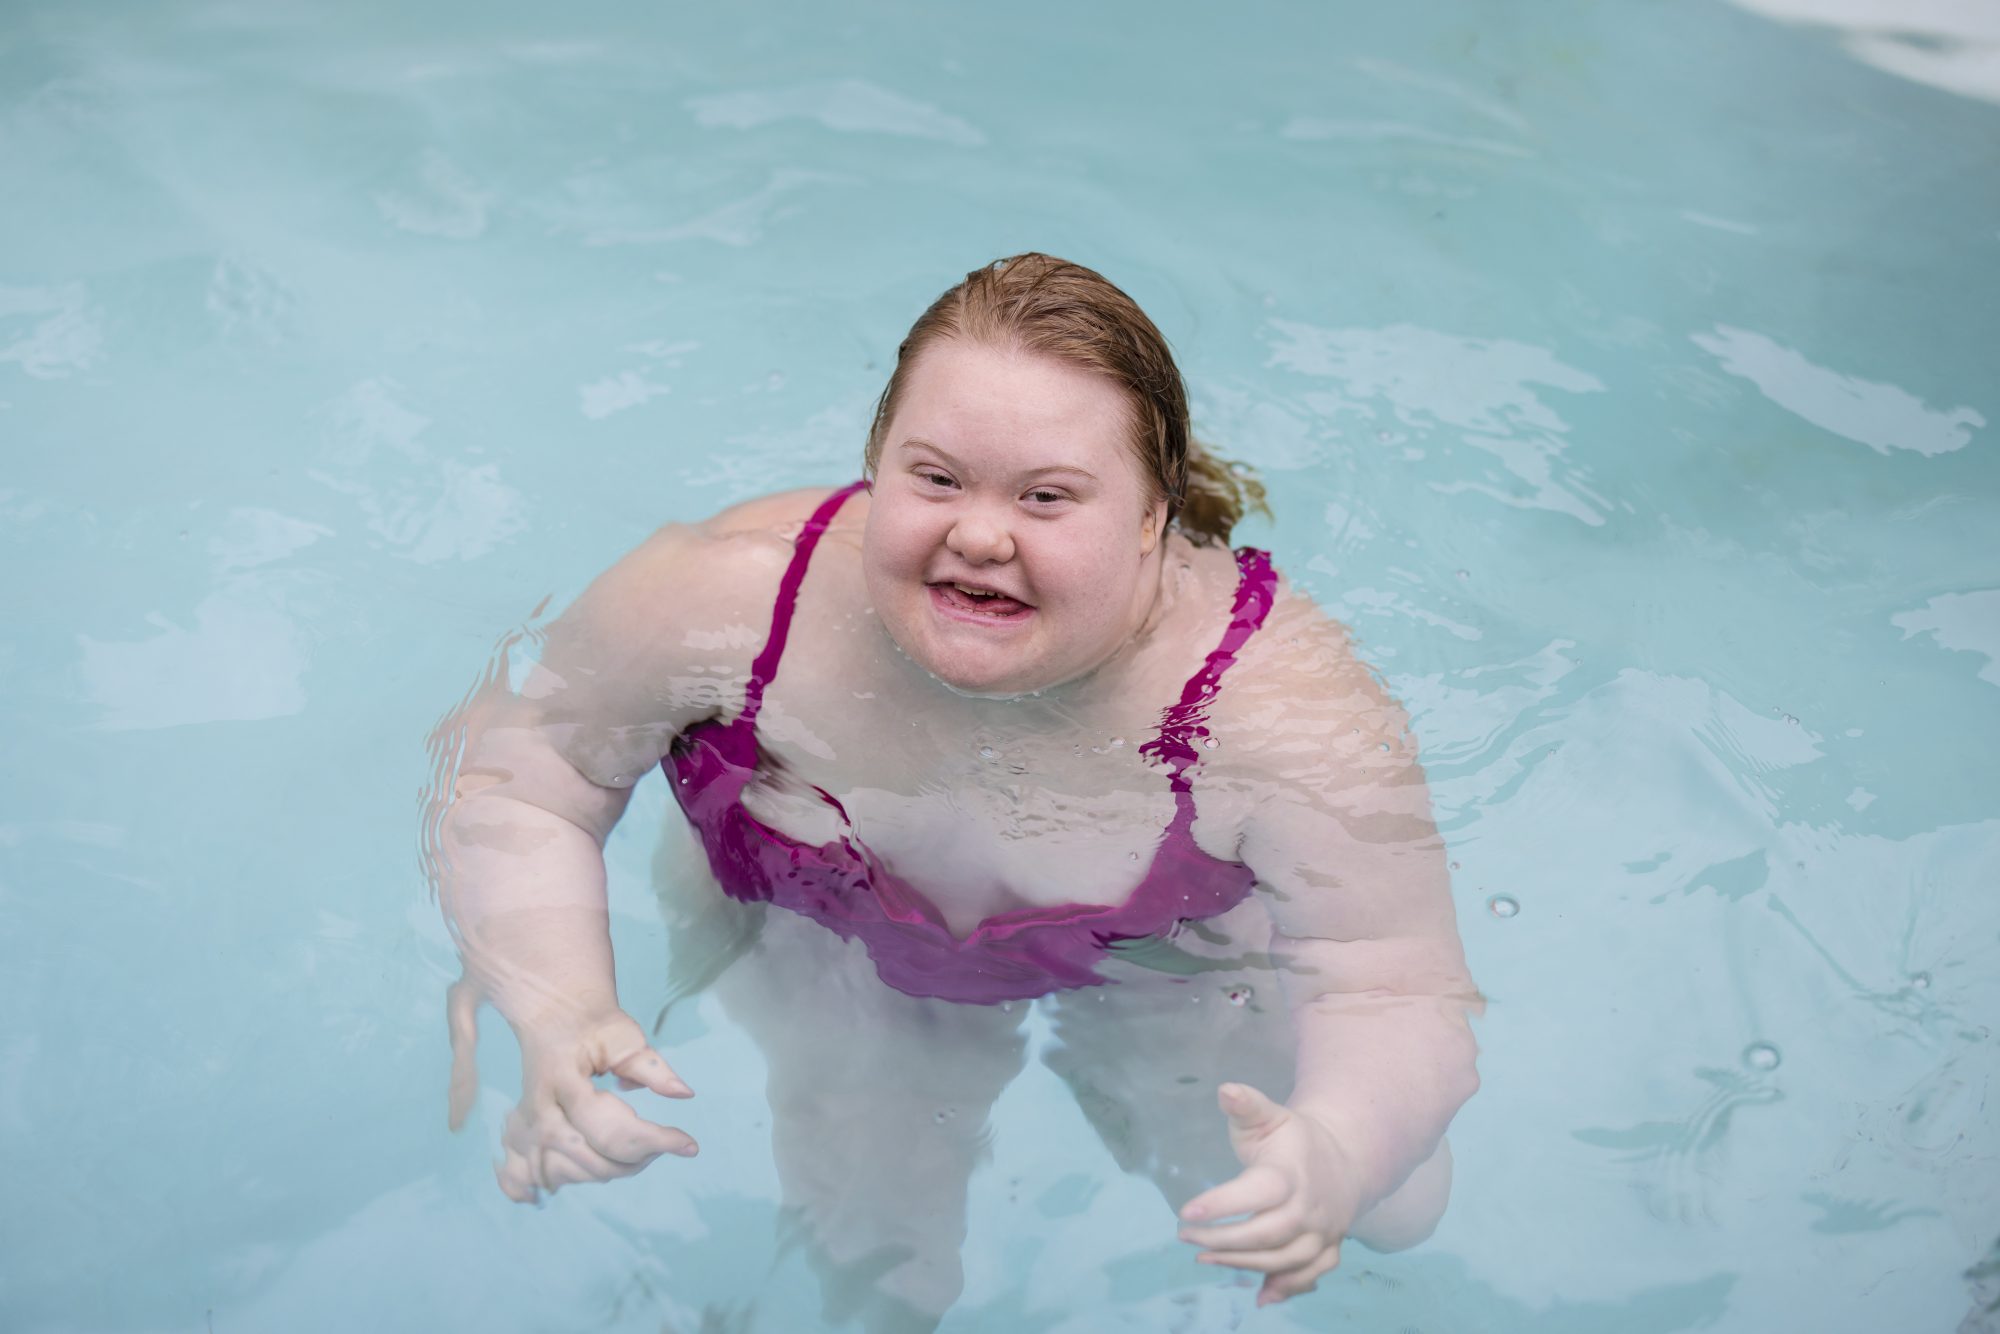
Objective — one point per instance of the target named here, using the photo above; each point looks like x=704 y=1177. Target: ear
x=1154 y=526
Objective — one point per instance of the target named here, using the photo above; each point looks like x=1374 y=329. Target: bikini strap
x=1184 y=723
x=766 y=665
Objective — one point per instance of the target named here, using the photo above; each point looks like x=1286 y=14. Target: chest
x=981 y=814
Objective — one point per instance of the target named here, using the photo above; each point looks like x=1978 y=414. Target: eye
x=1044 y=496
x=934 y=478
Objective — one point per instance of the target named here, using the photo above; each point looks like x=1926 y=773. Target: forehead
x=968 y=396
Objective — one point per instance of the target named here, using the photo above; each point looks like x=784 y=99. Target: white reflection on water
x=252 y=536
x=1484 y=387
x=1948 y=44
x=850 y=105
x=739 y=222
x=444 y=201
x=430 y=510
x=243 y=659
x=1395 y=132
x=63 y=336
x=1871 y=413
x=1968 y=622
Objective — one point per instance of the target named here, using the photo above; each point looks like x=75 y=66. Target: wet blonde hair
x=1053 y=308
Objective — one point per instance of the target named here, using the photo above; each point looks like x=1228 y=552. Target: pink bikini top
x=843 y=886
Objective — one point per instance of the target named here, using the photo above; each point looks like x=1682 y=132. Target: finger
x=1248 y=1110
x=1294 y=1254
x=559 y=1170
x=1279 y=1287
x=516 y=1182
x=571 y=1160
x=613 y=1129
x=1250 y=1192
x=518 y=1134
x=648 y=1069
x=461 y=1019
x=1260 y=1232
x=522 y=1169
x=558 y=1138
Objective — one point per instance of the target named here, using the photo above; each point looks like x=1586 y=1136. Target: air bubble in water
x=1454 y=866
x=1210 y=742
x=1384 y=746
x=1921 y=981
x=1240 y=996
x=1465 y=574
x=1243 y=469
x=1131 y=856
x=988 y=753
x=1117 y=741
x=1007 y=1007
x=1503 y=905
x=1761 y=1056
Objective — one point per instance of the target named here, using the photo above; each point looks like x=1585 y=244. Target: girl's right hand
x=566 y=1129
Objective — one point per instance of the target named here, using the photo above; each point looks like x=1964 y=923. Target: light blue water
x=1624 y=374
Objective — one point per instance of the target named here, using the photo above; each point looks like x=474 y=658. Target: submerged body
x=845 y=885
x=990 y=729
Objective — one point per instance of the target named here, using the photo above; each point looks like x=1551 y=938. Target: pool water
x=1623 y=374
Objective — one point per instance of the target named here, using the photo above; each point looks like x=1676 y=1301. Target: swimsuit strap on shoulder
x=766 y=665
x=1182 y=723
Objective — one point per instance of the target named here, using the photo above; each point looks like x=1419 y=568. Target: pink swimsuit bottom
x=841 y=885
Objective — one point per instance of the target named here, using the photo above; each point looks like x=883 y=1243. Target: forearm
x=1385 y=1073
x=523 y=891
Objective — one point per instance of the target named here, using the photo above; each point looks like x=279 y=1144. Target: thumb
x=646 y=1068
x=628 y=1055
x=1250 y=1113
x=461 y=1016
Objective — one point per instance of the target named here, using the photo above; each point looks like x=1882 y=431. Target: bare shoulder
x=1313 y=703
x=660 y=641
x=1331 y=794
x=711 y=573
x=676 y=621
x=1305 y=652
x=779 y=512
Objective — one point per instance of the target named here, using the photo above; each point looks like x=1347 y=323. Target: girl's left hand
x=1298 y=1192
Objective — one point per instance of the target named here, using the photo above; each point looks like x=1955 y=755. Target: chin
x=980 y=681
x=986 y=671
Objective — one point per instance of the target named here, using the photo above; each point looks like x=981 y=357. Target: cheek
x=894 y=545
x=1090 y=573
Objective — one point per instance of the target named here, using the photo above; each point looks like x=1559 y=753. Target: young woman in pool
x=1009 y=723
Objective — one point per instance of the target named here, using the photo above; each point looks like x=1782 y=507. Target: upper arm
x=659 y=642
x=1343 y=842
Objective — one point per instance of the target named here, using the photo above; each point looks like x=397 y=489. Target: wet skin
x=981 y=644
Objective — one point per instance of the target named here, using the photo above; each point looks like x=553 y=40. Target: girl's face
x=1010 y=546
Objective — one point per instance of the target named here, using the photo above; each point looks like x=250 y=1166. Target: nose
x=980 y=538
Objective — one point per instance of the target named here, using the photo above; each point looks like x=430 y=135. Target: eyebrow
x=947 y=456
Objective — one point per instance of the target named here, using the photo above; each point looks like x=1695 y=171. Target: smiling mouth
x=984 y=603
